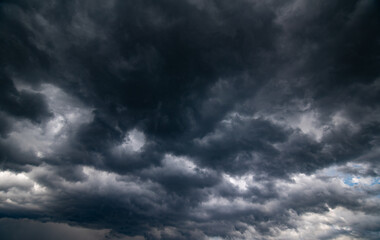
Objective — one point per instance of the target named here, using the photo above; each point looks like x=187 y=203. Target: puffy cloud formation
x=194 y=119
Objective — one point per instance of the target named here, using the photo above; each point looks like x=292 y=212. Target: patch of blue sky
x=350 y=179
x=375 y=181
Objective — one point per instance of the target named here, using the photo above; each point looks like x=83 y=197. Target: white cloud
x=133 y=142
x=240 y=182
x=20 y=191
x=337 y=223
x=68 y=115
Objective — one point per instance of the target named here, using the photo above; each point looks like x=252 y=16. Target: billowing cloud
x=190 y=119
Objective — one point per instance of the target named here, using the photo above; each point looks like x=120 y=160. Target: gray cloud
x=190 y=120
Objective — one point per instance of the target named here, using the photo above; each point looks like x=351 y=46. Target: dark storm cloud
x=190 y=119
x=166 y=55
x=22 y=103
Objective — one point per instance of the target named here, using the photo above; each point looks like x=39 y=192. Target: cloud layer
x=190 y=119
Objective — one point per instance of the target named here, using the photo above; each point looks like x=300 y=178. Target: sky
x=189 y=119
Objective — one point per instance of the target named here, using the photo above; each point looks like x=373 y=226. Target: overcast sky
x=189 y=119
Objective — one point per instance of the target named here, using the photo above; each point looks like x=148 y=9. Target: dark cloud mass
x=193 y=119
